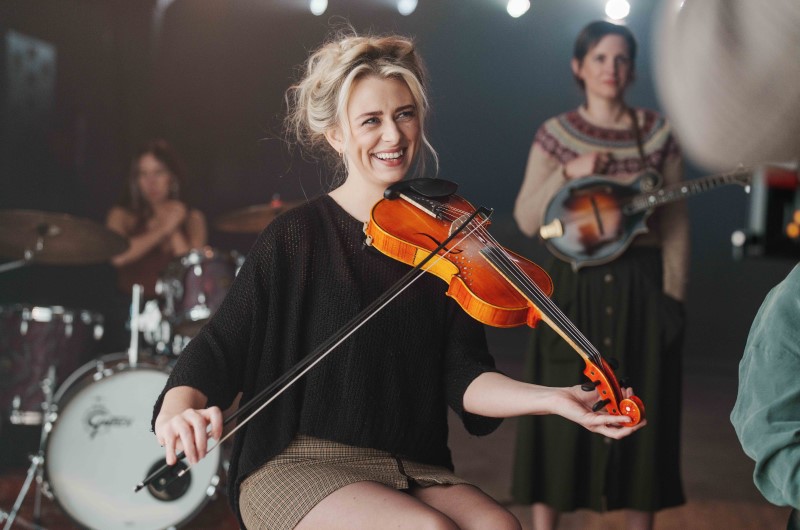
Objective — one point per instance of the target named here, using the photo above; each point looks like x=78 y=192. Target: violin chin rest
x=431 y=188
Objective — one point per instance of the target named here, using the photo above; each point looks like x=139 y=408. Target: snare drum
x=34 y=338
x=193 y=286
x=100 y=445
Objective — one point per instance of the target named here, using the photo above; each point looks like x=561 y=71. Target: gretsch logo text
x=99 y=419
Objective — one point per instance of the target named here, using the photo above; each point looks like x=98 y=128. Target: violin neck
x=550 y=312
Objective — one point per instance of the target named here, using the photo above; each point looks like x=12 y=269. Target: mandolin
x=592 y=220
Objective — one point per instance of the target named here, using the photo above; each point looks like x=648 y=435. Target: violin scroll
x=602 y=380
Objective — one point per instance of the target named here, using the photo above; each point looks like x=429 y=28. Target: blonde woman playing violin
x=361 y=440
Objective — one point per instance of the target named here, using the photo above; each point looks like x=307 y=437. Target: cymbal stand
x=36 y=469
x=11 y=265
x=133 y=348
x=42 y=230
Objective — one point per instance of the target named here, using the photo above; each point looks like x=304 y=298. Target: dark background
x=101 y=76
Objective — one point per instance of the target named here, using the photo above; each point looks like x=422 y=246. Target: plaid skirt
x=281 y=492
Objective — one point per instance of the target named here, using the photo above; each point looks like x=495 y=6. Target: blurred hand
x=170 y=215
x=594 y=163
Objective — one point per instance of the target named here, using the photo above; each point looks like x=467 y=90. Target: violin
x=492 y=284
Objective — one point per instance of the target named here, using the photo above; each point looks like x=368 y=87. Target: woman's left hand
x=575 y=404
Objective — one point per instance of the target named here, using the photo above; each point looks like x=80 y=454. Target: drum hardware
x=133 y=349
x=55 y=239
x=157 y=331
x=36 y=469
x=253 y=219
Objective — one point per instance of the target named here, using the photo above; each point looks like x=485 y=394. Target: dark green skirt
x=622 y=310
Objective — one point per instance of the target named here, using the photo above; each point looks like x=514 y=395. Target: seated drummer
x=158 y=224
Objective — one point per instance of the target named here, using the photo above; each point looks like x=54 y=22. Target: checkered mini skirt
x=281 y=492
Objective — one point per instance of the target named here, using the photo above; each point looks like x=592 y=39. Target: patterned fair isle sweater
x=569 y=135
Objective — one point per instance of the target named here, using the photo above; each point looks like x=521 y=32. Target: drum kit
x=94 y=414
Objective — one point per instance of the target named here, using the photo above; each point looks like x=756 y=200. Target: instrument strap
x=638 y=133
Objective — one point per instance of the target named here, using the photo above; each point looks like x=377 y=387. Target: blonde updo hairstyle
x=318 y=102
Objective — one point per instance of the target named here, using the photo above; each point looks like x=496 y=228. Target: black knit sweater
x=386 y=387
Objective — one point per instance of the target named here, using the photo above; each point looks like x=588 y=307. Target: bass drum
x=100 y=445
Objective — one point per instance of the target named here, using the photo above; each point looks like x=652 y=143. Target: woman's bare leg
x=545 y=517
x=638 y=520
x=369 y=505
x=467 y=506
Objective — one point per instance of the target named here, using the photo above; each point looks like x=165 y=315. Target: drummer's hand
x=576 y=405
x=188 y=432
x=587 y=164
x=178 y=243
x=170 y=215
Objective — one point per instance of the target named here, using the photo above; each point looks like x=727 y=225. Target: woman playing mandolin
x=361 y=440
x=629 y=304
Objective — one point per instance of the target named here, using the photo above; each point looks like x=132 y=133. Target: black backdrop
x=209 y=75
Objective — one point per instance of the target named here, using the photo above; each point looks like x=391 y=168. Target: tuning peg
x=600 y=404
x=589 y=386
x=613 y=363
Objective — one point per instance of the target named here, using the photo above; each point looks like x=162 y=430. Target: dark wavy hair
x=159 y=148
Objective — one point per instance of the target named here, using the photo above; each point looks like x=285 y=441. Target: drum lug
x=211 y=491
x=46 y=491
x=68 y=324
x=101 y=371
x=50 y=418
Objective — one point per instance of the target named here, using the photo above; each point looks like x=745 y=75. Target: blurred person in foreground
x=729 y=76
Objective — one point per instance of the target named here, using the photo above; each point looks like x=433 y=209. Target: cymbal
x=253 y=219
x=56 y=238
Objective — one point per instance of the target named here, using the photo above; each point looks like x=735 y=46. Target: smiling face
x=380 y=138
x=154 y=179
x=606 y=70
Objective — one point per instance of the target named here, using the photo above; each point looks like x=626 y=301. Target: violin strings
x=541 y=299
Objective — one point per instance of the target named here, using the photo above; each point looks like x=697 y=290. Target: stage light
x=617 y=9
x=517 y=8
x=318 y=7
x=406 y=7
